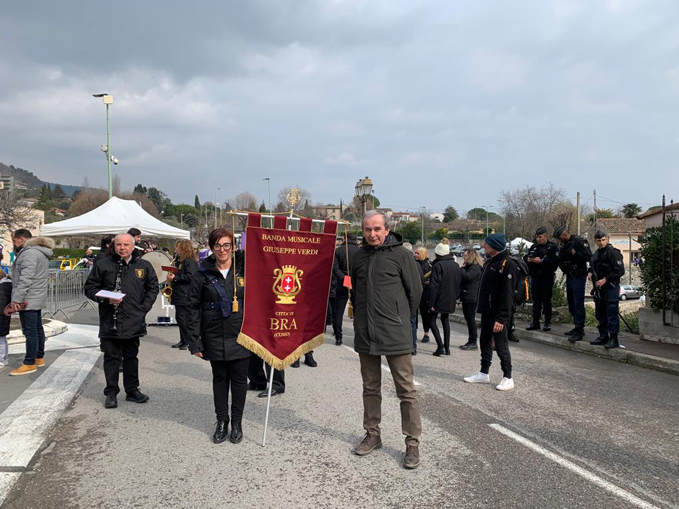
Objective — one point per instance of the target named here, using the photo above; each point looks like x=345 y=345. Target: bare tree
x=15 y=213
x=117 y=185
x=304 y=196
x=244 y=201
x=528 y=209
x=90 y=199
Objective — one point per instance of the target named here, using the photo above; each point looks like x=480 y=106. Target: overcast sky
x=439 y=102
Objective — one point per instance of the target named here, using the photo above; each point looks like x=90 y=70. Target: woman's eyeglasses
x=219 y=247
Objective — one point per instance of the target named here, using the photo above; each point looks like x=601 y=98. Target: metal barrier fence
x=65 y=290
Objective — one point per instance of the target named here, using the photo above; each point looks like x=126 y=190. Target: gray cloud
x=443 y=102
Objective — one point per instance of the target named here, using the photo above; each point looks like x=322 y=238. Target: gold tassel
x=351 y=310
x=234 y=305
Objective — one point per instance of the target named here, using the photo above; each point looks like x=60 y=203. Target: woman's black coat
x=471 y=277
x=5 y=298
x=425 y=267
x=209 y=332
x=182 y=281
x=445 y=284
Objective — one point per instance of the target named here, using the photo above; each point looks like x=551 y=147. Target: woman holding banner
x=214 y=318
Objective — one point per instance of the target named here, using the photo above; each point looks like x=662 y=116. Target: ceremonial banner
x=287 y=284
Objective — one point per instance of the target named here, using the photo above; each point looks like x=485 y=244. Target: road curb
x=617 y=354
x=54 y=328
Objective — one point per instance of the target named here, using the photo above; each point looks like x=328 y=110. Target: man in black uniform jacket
x=123 y=322
x=605 y=272
x=339 y=271
x=542 y=259
x=573 y=258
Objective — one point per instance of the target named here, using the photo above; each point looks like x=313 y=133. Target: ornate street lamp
x=364 y=188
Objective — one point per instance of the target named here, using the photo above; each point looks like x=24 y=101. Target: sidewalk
x=647 y=354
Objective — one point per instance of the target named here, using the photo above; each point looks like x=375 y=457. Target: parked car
x=630 y=292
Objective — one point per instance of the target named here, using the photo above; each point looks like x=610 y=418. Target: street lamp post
x=363 y=190
x=422 y=212
x=486 y=207
x=268 y=181
x=108 y=100
x=181 y=220
x=218 y=189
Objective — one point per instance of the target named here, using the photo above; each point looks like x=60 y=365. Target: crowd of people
x=389 y=287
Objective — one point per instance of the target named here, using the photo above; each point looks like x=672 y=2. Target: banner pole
x=268 y=404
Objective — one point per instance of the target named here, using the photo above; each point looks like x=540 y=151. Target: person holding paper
x=187 y=266
x=214 y=318
x=122 y=321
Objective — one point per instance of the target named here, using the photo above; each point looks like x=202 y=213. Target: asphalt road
x=577 y=431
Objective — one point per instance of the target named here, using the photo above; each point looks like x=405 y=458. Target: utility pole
x=422 y=211
x=630 y=257
x=577 y=209
x=595 y=211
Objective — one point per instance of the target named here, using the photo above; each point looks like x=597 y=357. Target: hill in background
x=32 y=182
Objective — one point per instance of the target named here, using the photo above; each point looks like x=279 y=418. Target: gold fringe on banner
x=280 y=364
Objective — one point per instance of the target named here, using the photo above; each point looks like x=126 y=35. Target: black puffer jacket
x=182 y=281
x=445 y=284
x=425 y=267
x=5 y=298
x=496 y=295
x=387 y=290
x=209 y=332
x=471 y=277
x=140 y=286
x=339 y=269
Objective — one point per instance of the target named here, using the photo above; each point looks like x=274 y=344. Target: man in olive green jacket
x=387 y=288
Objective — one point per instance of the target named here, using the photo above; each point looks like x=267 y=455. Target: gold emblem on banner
x=287 y=284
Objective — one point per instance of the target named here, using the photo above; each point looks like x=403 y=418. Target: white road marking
x=384 y=366
x=27 y=421
x=77 y=336
x=7 y=480
x=625 y=495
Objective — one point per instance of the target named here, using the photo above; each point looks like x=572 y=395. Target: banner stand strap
x=305 y=224
x=330 y=227
x=255 y=220
x=280 y=222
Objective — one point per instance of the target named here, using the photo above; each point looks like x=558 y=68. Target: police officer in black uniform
x=605 y=272
x=542 y=259
x=573 y=258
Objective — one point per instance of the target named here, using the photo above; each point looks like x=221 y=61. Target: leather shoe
x=570 y=332
x=309 y=360
x=111 y=401
x=338 y=341
x=468 y=346
x=534 y=326
x=236 y=432
x=136 y=396
x=446 y=351
x=295 y=364
x=547 y=327
x=425 y=339
x=255 y=387
x=612 y=342
x=601 y=340
x=179 y=345
x=220 y=432
x=438 y=352
x=265 y=394
x=578 y=335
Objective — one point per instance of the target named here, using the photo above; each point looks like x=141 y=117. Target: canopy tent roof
x=114 y=216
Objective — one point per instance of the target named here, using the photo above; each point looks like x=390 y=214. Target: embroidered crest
x=240 y=281
x=287 y=284
x=139 y=273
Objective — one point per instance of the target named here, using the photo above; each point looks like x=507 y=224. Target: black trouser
x=328 y=313
x=541 y=288
x=230 y=375
x=424 y=313
x=501 y=346
x=116 y=350
x=180 y=315
x=340 y=304
x=469 y=311
x=259 y=377
x=608 y=309
x=445 y=343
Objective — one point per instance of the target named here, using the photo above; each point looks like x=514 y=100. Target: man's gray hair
x=372 y=213
x=123 y=235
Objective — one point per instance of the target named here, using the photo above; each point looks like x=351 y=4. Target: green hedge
x=60 y=252
x=651 y=270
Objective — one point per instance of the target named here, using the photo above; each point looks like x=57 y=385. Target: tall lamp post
x=268 y=181
x=108 y=100
x=363 y=190
x=181 y=220
x=486 y=207
x=423 y=211
x=218 y=189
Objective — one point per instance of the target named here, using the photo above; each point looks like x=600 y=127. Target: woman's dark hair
x=217 y=234
x=107 y=244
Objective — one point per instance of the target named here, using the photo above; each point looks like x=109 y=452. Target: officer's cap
x=600 y=235
x=540 y=231
x=559 y=231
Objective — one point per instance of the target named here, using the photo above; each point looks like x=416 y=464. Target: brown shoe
x=412 y=457
x=24 y=369
x=368 y=445
x=39 y=363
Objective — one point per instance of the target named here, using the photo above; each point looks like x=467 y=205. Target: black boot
x=547 y=327
x=612 y=342
x=578 y=335
x=309 y=360
x=570 y=332
x=236 y=432
x=295 y=364
x=601 y=340
x=111 y=401
x=469 y=345
x=446 y=347
x=439 y=351
x=220 y=432
x=338 y=340
x=425 y=339
x=534 y=326
x=137 y=396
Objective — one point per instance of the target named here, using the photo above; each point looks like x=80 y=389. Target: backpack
x=521 y=292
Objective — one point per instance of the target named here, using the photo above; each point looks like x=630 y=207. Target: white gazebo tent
x=114 y=216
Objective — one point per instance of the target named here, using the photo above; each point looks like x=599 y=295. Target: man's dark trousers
x=575 y=292
x=541 y=288
x=31 y=326
x=607 y=310
x=114 y=351
x=339 y=305
x=259 y=378
x=501 y=346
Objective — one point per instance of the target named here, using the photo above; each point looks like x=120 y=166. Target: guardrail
x=65 y=290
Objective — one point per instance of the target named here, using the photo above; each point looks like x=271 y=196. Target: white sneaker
x=478 y=378
x=507 y=384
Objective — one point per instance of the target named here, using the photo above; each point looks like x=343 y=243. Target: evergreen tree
x=262 y=208
x=58 y=192
x=196 y=203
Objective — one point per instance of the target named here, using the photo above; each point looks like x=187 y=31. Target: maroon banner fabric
x=287 y=284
